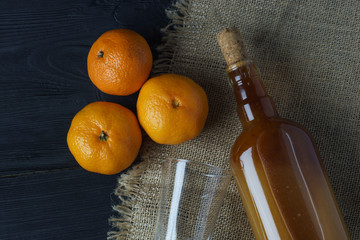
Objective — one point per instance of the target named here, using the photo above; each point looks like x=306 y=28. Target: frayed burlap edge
x=177 y=14
x=129 y=190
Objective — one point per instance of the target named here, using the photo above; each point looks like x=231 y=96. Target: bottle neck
x=253 y=103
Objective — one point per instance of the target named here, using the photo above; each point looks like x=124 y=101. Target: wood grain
x=65 y=204
x=44 y=80
x=44 y=194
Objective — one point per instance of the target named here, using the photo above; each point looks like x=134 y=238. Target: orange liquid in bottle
x=278 y=171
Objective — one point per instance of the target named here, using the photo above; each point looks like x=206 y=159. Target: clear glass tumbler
x=191 y=196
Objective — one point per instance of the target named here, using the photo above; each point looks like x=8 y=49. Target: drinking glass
x=191 y=196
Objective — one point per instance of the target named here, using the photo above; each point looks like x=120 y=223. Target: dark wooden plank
x=44 y=194
x=65 y=204
x=44 y=81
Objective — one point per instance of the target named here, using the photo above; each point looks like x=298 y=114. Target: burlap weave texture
x=309 y=56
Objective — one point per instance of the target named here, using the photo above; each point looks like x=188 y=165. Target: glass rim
x=223 y=173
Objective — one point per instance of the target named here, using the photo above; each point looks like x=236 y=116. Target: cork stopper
x=232 y=46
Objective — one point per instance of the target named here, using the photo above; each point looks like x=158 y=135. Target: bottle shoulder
x=267 y=132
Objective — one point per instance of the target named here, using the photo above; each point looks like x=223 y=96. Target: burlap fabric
x=309 y=54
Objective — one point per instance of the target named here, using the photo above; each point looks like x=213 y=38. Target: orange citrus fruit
x=104 y=138
x=172 y=108
x=119 y=62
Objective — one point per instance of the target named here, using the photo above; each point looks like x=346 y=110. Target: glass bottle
x=277 y=168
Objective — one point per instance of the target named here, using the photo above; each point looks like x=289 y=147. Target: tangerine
x=119 y=62
x=104 y=138
x=172 y=108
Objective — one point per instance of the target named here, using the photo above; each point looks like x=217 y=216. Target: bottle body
x=282 y=183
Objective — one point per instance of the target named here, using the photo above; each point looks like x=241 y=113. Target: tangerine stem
x=100 y=54
x=103 y=136
x=175 y=103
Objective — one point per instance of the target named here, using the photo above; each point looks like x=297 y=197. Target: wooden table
x=44 y=194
